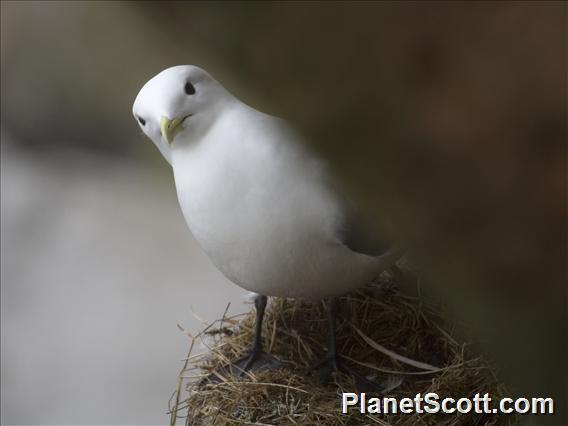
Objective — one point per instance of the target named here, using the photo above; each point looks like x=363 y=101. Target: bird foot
x=329 y=364
x=254 y=362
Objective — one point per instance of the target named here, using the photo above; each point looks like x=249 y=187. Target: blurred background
x=447 y=121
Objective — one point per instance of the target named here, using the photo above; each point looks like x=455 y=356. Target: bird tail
x=389 y=258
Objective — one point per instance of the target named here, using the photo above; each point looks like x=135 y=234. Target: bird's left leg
x=332 y=360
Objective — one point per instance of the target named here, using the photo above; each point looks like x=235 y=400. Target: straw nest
x=398 y=340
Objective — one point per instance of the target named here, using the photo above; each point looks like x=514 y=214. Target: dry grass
x=376 y=320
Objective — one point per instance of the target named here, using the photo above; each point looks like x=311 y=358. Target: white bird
x=260 y=204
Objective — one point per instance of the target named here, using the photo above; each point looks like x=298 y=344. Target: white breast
x=260 y=209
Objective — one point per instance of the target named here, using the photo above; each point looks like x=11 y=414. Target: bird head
x=178 y=104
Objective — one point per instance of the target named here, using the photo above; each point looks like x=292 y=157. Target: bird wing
x=355 y=232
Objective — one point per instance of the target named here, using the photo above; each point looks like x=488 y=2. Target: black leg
x=332 y=361
x=332 y=321
x=260 y=305
x=256 y=359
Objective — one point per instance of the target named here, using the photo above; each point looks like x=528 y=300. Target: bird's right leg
x=257 y=359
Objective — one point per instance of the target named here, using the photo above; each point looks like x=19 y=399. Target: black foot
x=257 y=360
x=254 y=362
x=329 y=364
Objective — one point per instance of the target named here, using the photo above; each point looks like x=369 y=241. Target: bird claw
x=256 y=360
x=330 y=364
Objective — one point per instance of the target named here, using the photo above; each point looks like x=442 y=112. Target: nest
x=395 y=339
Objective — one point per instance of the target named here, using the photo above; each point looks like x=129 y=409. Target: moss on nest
x=373 y=321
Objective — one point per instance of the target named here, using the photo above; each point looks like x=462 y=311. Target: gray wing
x=353 y=230
x=356 y=233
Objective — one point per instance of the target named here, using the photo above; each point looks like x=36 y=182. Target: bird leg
x=257 y=359
x=333 y=362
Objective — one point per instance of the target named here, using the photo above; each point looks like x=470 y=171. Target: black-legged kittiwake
x=260 y=204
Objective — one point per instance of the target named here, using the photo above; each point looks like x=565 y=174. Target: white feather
x=257 y=201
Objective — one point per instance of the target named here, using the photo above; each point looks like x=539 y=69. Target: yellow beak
x=170 y=128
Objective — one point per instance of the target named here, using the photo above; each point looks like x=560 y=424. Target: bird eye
x=189 y=89
x=142 y=121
